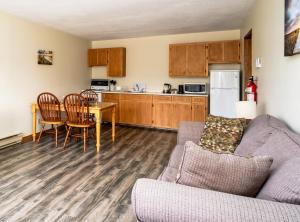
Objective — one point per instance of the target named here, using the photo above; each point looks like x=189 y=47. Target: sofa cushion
x=284 y=185
x=189 y=131
x=222 y=134
x=222 y=171
x=168 y=175
x=283 y=146
x=257 y=133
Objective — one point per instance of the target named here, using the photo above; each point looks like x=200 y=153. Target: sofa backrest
x=257 y=133
x=284 y=183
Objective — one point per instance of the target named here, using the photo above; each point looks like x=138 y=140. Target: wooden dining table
x=95 y=108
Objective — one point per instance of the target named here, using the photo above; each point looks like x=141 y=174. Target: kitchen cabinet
x=177 y=60
x=224 y=51
x=92 y=57
x=196 y=60
x=182 y=106
x=113 y=98
x=116 y=62
x=162 y=111
x=102 y=57
x=97 y=57
x=199 y=109
x=136 y=109
x=188 y=60
x=232 y=51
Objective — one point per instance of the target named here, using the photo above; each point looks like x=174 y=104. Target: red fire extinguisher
x=251 y=90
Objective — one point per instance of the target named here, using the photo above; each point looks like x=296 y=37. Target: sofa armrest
x=162 y=201
x=189 y=131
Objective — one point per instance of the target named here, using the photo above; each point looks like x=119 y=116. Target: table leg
x=33 y=110
x=98 y=128
x=113 y=123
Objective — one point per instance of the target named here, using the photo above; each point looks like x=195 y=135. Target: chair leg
x=56 y=135
x=84 y=139
x=43 y=126
x=67 y=136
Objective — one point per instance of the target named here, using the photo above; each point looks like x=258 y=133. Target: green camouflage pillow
x=222 y=134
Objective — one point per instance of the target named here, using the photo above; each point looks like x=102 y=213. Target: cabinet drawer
x=162 y=99
x=111 y=96
x=135 y=97
x=182 y=99
x=199 y=100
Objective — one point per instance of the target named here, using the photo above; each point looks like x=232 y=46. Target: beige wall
x=22 y=79
x=148 y=57
x=278 y=80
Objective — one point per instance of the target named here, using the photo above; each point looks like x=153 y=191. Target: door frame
x=247 y=63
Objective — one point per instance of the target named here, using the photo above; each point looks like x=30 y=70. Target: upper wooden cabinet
x=102 y=57
x=232 y=51
x=113 y=58
x=177 y=60
x=116 y=62
x=224 y=51
x=188 y=60
x=97 y=57
x=196 y=60
x=92 y=57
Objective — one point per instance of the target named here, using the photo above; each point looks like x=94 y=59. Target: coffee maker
x=167 y=88
x=180 y=89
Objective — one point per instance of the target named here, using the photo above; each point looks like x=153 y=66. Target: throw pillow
x=284 y=185
x=222 y=134
x=222 y=171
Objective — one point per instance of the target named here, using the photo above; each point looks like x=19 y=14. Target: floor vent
x=10 y=140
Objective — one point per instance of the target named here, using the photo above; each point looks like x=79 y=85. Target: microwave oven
x=195 y=88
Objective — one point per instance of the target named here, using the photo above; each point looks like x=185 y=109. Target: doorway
x=247 y=59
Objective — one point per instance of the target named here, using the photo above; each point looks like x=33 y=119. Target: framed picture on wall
x=45 y=57
x=292 y=27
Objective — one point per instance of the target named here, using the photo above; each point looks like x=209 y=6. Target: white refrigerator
x=224 y=92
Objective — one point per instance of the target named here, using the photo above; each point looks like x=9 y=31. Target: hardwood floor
x=44 y=183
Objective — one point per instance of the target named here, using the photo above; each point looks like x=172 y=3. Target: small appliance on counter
x=100 y=85
x=180 y=89
x=195 y=88
x=167 y=88
x=112 y=85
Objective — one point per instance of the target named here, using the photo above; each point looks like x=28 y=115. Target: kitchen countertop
x=154 y=93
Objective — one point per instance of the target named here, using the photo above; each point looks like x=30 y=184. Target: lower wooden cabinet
x=162 y=111
x=113 y=98
x=182 y=109
x=199 y=109
x=136 y=109
x=155 y=110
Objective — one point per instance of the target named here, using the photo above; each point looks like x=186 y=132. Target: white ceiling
x=112 y=19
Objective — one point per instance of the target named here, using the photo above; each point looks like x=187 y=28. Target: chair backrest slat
x=77 y=109
x=90 y=95
x=49 y=106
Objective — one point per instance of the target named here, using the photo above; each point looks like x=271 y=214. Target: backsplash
x=154 y=80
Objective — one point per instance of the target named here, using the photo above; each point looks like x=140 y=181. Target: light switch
x=258 y=63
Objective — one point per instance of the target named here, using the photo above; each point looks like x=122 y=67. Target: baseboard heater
x=11 y=140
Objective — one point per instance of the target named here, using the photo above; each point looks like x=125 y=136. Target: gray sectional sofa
x=278 y=199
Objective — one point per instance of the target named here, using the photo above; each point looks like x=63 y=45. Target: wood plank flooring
x=39 y=182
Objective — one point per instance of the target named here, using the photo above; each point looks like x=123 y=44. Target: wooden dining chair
x=77 y=109
x=90 y=95
x=49 y=107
